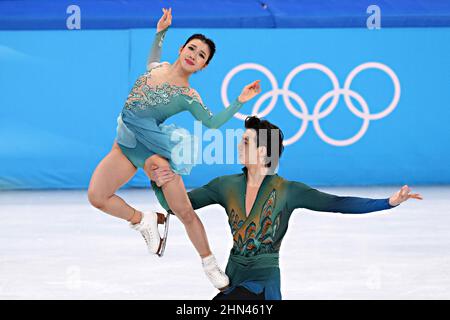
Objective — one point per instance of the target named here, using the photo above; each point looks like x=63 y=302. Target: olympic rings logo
x=317 y=114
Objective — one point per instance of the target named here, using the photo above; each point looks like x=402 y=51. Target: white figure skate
x=214 y=273
x=148 y=227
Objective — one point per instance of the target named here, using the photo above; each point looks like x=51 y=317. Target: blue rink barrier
x=126 y=14
x=61 y=92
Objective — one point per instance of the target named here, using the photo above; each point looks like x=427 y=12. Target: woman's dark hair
x=266 y=134
x=209 y=42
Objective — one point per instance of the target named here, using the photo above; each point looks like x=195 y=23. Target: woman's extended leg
x=178 y=201
x=111 y=173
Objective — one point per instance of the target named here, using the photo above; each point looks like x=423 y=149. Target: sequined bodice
x=143 y=95
x=160 y=100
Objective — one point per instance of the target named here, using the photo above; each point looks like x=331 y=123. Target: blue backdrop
x=125 y=14
x=61 y=92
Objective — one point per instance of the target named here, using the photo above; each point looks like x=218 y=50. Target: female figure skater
x=143 y=141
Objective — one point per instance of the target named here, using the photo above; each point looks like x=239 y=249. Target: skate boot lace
x=144 y=228
x=147 y=237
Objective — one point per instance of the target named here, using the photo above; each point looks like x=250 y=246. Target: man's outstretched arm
x=301 y=195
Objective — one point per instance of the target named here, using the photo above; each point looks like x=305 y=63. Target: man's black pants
x=240 y=293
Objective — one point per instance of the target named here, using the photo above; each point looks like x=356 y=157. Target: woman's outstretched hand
x=250 y=91
x=165 y=21
x=403 y=195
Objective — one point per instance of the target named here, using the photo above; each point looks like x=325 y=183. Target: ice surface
x=55 y=245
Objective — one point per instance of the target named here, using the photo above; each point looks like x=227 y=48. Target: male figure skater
x=259 y=203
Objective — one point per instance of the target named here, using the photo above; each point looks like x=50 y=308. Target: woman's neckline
x=166 y=82
x=169 y=84
x=175 y=85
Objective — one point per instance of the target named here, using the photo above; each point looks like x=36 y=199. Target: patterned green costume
x=253 y=261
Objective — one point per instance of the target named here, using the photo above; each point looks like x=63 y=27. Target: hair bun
x=252 y=121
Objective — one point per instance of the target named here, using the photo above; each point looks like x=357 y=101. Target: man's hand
x=161 y=175
x=403 y=195
x=165 y=21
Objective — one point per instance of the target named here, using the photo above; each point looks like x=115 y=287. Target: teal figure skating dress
x=141 y=131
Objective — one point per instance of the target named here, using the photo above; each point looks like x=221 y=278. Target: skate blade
x=163 y=242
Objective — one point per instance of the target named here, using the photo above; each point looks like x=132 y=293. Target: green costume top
x=253 y=261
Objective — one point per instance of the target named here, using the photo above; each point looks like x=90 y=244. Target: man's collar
x=245 y=171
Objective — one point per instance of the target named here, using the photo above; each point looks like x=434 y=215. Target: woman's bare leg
x=178 y=201
x=111 y=173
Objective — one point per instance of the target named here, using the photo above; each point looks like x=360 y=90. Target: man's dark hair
x=209 y=42
x=267 y=134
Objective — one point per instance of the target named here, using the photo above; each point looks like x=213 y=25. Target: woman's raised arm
x=161 y=29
